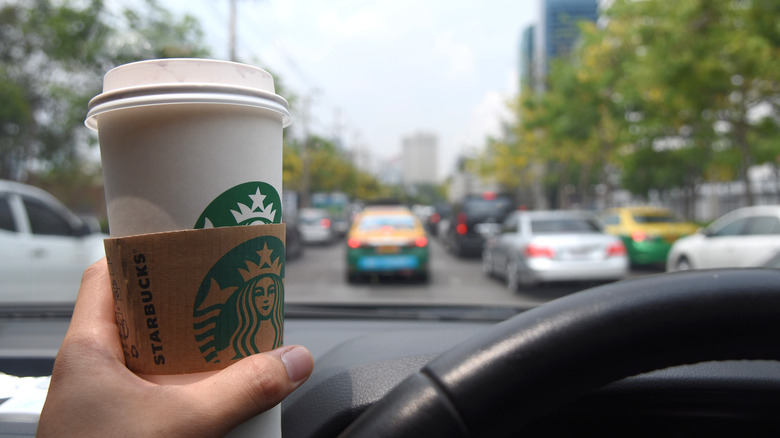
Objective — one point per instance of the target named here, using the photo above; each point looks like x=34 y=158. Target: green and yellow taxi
x=647 y=232
x=387 y=241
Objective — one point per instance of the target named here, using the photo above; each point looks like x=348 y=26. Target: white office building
x=420 y=158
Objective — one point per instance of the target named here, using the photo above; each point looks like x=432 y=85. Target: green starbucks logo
x=242 y=294
x=249 y=203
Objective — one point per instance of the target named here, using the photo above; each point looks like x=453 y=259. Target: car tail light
x=539 y=251
x=421 y=242
x=638 y=236
x=435 y=218
x=616 y=249
x=325 y=223
x=461 y=227
x=354 y=243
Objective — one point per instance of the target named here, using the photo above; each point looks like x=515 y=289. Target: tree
x=700 y=71
x=52 y=60
x=329 y=170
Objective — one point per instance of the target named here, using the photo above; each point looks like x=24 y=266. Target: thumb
x=252 y=385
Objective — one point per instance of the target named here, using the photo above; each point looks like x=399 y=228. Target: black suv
x=474 y=219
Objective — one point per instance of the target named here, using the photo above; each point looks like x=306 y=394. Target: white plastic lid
x=186 y=80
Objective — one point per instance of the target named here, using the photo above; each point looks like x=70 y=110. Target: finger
x=252 y=385
x=94 y=320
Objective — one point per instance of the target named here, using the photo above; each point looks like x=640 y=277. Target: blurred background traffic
x=637 y=138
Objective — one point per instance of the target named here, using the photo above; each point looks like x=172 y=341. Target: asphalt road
x=319 y=276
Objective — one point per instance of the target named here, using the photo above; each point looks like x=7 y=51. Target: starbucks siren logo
x=249 y=203
x=242 y=295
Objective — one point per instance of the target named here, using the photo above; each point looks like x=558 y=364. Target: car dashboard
x=360 y=357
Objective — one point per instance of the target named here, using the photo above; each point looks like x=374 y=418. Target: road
x=318 y=276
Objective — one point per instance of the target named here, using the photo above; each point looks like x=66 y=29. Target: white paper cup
x=191 y=143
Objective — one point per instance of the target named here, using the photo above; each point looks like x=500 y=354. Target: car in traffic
x=315 y=226
x=293 y=243
x=745 y=237
x=387 y=241
x=44 y=247
x=647 y=232
x=436 y=224
x=474 y=219
x=548 y=246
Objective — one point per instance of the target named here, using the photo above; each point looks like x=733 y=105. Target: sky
x=377 y=71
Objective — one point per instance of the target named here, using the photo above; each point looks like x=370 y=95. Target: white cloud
x=486 y=118
x=458 y=57
x=358 y=23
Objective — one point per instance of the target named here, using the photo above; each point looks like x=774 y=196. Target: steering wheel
x=518 y=370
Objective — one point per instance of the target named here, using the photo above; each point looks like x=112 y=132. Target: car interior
x=684 y=354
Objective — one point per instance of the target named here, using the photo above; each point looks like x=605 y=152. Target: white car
x=44 y=247
x=548 y=246
x=745 y=237
x=316 y=226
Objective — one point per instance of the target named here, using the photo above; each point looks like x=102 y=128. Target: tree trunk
x=745 y=158
x=582 y=184
x=563 y=181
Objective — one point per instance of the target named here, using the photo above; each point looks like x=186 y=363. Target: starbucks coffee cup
x=189 y=145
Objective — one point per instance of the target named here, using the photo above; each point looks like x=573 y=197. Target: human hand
x=92 y=393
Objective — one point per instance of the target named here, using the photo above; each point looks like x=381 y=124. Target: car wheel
x=456 y=246
x=683 y=264
x=487 y=264
x=352 y=278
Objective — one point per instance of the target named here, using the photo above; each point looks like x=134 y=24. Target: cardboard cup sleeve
x=198 y=300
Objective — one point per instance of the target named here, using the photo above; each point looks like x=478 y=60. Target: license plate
x=388 y=263
x=577 y=253
x=388 y=249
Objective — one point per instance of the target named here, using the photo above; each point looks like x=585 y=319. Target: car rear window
x=655 y=218
x=396 y=222
x=312 y=217
x=563 y=225
x=487 y=207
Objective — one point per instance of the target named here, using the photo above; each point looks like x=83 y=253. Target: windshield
x=468 y=114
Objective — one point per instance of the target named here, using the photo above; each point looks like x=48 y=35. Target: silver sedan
x=547 y=246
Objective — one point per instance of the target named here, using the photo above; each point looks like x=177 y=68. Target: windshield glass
x=462 y=113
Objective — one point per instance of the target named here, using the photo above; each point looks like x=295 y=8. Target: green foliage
x=52 y=60
x=669 y=94
x=326 y=168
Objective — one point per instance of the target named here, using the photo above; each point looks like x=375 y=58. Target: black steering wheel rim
x=493 y=384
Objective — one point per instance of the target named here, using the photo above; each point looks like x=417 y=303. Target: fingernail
x=298 y=362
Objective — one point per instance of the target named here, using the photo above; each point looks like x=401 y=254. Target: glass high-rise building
x=527 y=56
x=558 y=29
